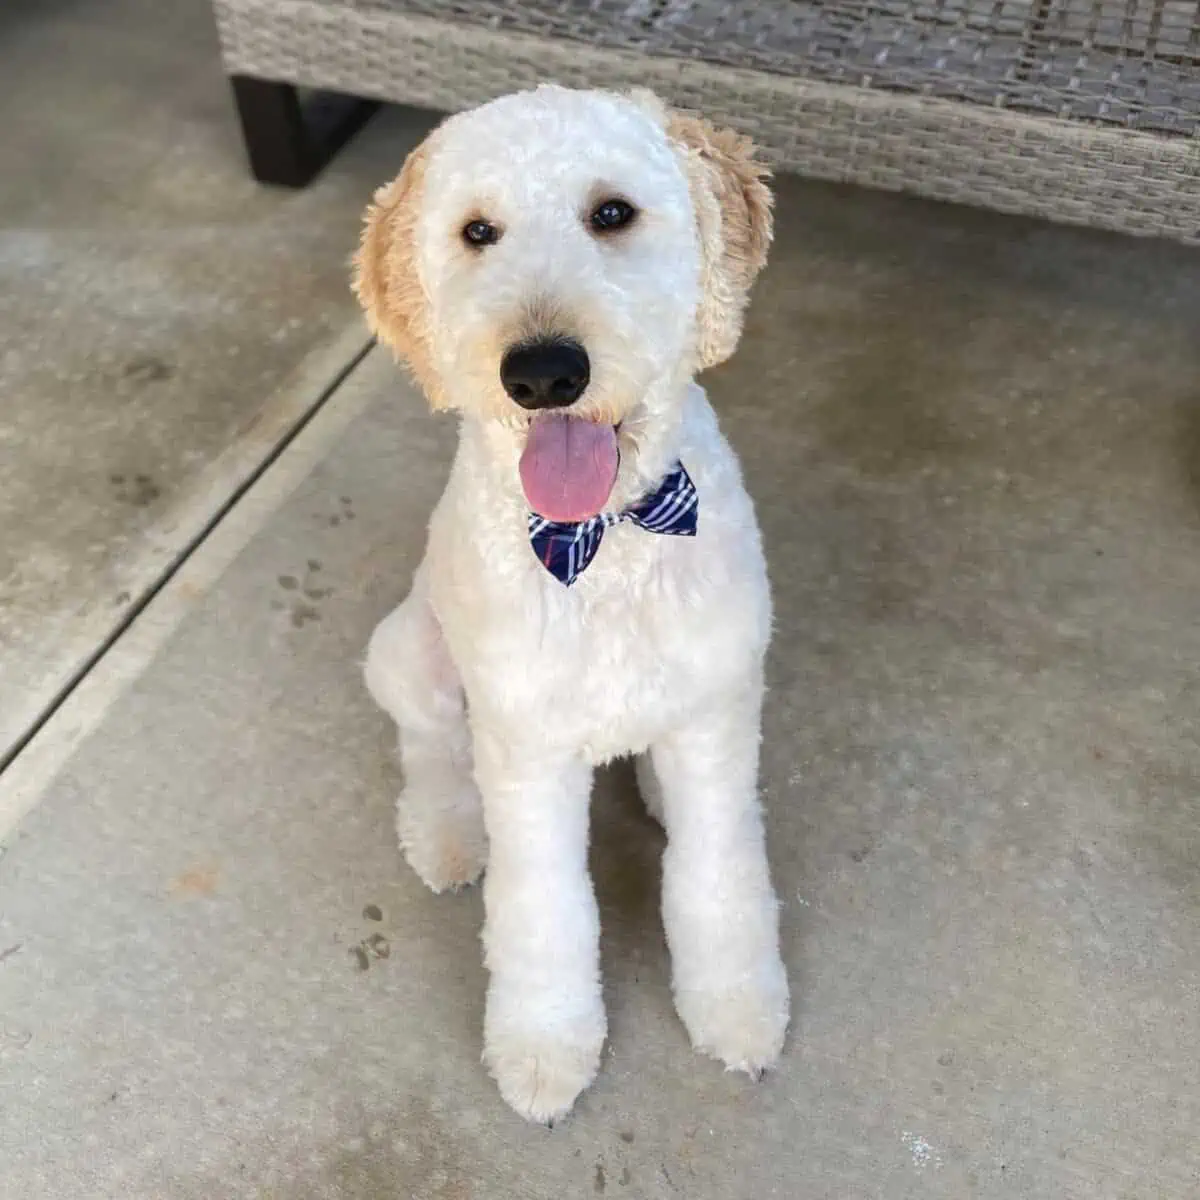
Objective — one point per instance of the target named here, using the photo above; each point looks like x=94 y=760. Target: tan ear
x=386 y=277
x=733 y=212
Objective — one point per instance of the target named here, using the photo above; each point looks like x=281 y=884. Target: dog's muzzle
x=546 y=373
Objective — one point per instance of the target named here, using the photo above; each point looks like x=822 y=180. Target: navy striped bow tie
x=565 y=548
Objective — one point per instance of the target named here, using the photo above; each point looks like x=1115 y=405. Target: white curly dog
x=556 y=266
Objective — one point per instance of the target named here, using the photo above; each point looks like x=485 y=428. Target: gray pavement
x=153 y=302
x=974 y=443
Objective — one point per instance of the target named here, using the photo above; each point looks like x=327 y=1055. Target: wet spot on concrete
x=628 y=1136
x=335 y=521
x=600 y=1182
x=373 y=912
x=138 y=490
x=302 y=614
x=374 y=947
x=148 y=369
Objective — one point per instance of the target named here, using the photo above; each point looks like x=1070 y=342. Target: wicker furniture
x=1085 y=111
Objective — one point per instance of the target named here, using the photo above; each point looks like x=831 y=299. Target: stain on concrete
x=302 y=614
x=370 y=949
x=373 y=912
x=140 y=489
x=200 y=880
x=148 y=369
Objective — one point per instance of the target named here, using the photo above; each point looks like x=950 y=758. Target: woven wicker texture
x=1074 y=110
x=1133 y=63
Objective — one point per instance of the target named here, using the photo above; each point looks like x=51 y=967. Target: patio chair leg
x=289 y=141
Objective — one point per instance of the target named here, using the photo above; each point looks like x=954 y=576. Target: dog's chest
x=654 y=630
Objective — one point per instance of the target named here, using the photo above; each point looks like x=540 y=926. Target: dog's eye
x=612 y=214
x=480 y=233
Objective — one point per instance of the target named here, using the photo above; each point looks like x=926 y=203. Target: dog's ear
x=733 y=213
x=386 y=277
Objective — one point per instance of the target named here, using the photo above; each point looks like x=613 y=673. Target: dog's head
x=566 y=254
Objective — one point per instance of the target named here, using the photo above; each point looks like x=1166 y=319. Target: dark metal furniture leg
x=289 y=141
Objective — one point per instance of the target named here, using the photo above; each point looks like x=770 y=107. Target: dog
x=556 y=266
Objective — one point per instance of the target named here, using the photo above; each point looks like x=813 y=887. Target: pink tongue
x=569 y=467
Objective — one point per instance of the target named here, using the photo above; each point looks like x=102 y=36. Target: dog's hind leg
x=411 y=676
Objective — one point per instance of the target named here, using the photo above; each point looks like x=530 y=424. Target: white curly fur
x=508 y=687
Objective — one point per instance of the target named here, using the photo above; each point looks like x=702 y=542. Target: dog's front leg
x=545 y=1022
x=719 y=908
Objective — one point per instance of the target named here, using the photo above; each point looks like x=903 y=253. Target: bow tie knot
x=566 y=548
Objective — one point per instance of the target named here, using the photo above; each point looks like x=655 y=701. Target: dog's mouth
x=569 y=466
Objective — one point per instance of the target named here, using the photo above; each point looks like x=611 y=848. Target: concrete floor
x=975 y=445
x=153 y=301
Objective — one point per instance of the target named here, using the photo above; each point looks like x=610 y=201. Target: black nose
x=546 y=373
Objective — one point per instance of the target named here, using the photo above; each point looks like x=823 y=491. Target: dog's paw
x=445 y=845
x=541 y=1073
x=744 y=1027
